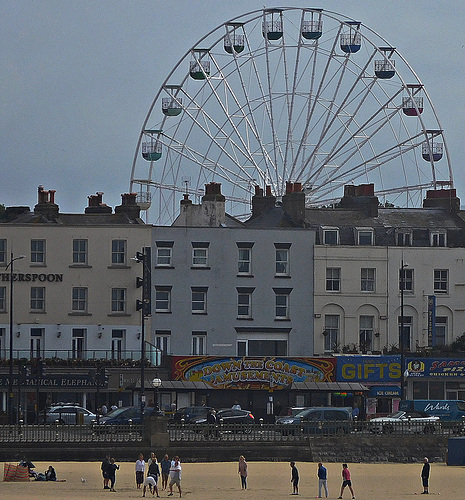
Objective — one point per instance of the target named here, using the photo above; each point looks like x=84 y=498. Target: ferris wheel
x=289 y=95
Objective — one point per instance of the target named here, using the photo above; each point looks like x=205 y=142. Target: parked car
x=126 y=415
x=290 y=411
x=68 y=413
x=189 y=412
x=228 y=419
x=409 y=422
x=228 y=416
x=322 y=420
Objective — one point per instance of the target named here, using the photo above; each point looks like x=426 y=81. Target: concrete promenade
x=267 y=481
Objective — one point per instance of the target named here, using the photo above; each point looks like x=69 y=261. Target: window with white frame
x=441 y=281
x=365 y=236
x=406 y=280
x=200 y=254
x=244 y=261
x=366 y=333
x=79 y=303
x=244 y=302
x=2 y=298
x=333 y=279
x=199 y=343
x=80 y=252
x=331 y=332
x=164 y=253
x=163 y=299
x=118 y=337
x=438 y=238
x=38 y=299
x=282 y=251
x=38 y=251
x=2 y=251
x=282 y=296
x=162 y=340
x=199 y=299
x=36 y=347
x=441 y=330
x=78 y=343
x=367 y=276
x=118 y=252
x=404 y=238
x=331 y=236
x=118 y=300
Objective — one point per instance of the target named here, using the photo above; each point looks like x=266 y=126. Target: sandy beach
x=267 y=480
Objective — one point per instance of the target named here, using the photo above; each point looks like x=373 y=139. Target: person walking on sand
x=346 y=480
x=294 y=479
x=165 y=471
x=322 y=479
x=425 y=476
x=175 y=476
x=112 y=468
x=140 y=471
x=104 y=468
x=243 y=472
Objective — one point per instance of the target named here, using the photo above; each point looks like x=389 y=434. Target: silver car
x=68 y=414
x=405 y=422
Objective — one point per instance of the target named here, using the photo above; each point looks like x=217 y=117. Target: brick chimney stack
x=96 y=206
x=294 y=202
x=46 y=205
x=129 y=206
x=260 y=203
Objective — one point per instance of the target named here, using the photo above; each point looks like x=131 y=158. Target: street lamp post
x=10 y=378
x=156 y=383
x=401 y=339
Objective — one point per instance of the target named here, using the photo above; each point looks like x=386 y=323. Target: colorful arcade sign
x=260 y=373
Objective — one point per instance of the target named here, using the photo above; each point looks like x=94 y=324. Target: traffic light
x=145 y=281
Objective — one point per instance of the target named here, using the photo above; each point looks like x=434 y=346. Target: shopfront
x=435 y=378
x=264 y=385
x=382 y=376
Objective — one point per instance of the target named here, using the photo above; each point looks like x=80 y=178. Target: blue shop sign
x=368 y=369
x=386 y=391
x=436 y=367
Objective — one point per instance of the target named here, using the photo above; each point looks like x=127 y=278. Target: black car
x=187 y=413
x=229 y=416
x=126 y=415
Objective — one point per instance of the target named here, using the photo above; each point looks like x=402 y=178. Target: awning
x=329 y=386
x=188 y=385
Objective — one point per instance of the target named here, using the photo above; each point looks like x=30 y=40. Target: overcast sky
x=77 y=78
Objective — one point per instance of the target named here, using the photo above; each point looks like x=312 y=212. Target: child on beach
x=243 y=471
x=346 y=480
x=112 y=468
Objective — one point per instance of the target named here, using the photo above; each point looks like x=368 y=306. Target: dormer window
x=404 y=238
x=330 y=236
x=365 y=236
x=438 y=238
